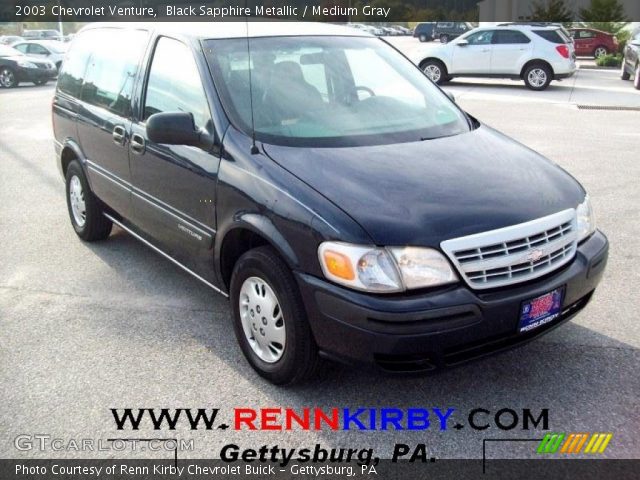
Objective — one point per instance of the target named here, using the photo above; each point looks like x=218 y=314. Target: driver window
x=480 y=38
x=174 y=83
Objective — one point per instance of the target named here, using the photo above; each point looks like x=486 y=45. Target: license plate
x=541 y=310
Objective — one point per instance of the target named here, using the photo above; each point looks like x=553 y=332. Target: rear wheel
x=435 y=70
x=423 y=38
x=537 y=77
x=7 y=78
x=85 y=210
x=600 y=51
x=270 y=320
x=636 y=81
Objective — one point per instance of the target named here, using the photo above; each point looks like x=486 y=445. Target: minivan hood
x=422 y=193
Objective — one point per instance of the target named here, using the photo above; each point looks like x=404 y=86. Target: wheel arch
x=436 y=59
x=535 y=61
x=248 y=231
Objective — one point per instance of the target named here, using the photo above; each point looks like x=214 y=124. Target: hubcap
x=433 y=72
x=76 y=199
x=600 y=52
x=262 y=320
x=537 y=77
x=6 y=78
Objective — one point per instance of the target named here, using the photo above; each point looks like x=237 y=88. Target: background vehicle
x=522 y=52
x=10 y=39
x=631 y=60
x=15 y=67
x=424 y=31
x=447 y=31
x=590 y=42
x=52 y=50
x=41 y=35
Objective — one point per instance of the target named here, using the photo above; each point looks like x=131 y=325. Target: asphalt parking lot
x=85 y=328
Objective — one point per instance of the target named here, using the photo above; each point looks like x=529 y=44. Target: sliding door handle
x=137 y=144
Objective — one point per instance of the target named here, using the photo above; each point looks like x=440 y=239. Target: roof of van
x=207 y=30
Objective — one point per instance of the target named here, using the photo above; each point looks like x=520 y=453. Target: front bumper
x=445 y=327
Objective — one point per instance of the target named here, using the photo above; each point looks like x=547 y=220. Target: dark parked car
x=631 y=60
x=15 y=67
x=424 y=31
x=446 y=31
x=342 y=202
x=593 y=43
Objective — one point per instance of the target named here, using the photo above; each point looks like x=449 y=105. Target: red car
x=593 y=43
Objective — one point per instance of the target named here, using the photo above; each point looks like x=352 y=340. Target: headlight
x=26 y=64
x=374 y=269
x=586 y=221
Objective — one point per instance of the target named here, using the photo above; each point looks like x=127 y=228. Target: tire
x=91 y=225
x=423 y=38
x=8 y=78
x=58 y=66
x=636 y=80
x=624 y=75
x=599 y=51
x=538 y=76
x=444 y=38
x=41 y=82
x=435 y=70
x=279 y=346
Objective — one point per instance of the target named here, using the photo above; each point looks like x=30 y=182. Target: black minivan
x=312 y=174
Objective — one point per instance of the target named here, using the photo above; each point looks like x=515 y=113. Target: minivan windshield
x=328 y=91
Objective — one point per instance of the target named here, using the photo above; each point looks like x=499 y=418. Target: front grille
x=515 y=254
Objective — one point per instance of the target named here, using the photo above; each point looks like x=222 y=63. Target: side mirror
x=451 y=96
x=173 y=128
x=462 y=43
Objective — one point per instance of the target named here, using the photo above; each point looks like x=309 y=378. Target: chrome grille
x=515 y=254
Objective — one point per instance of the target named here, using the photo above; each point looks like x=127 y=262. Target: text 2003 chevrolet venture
x=311 y=173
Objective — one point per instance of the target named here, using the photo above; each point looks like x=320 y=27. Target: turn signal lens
x=339 y=265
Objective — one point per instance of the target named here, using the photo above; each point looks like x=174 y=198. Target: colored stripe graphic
x=550 y=443
x=573 y=443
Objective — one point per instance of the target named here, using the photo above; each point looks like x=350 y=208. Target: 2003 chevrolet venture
x=345 y=204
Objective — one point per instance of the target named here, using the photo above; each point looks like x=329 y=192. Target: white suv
x=536 y=54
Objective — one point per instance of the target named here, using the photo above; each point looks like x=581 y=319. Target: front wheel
x=444 y=38
x=636 y=81
x=7 y=78
x=423 y=38
x=270 y=320
x=41 y=82
x=85 y=210
x=435 y=70
x=537 y=77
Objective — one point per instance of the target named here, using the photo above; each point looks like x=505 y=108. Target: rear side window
x=552 y=36
x=505 y=37
x=75 y=64
x=174 y=83
x=585 y=34
x=112 y=69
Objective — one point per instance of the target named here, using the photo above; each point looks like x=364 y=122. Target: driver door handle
x=137 y=144
x=119 y=134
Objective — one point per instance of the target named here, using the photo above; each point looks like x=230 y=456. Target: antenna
x=254 y=148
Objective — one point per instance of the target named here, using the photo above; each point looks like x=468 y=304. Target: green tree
x=606 y=15
x=551 y=11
